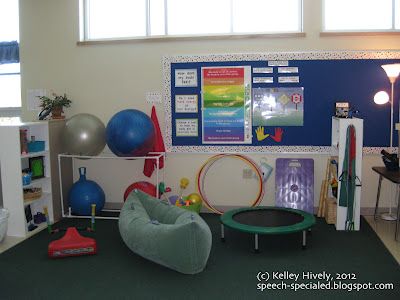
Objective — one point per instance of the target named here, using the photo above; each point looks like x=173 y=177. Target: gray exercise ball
x=84 y=134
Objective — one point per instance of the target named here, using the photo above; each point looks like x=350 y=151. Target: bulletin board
x=273 y=102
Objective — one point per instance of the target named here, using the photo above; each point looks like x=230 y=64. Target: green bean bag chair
x=163 y=233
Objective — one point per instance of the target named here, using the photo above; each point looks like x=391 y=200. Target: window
x=103 y=19
x=10 y=82
x=361 y=15
x=10 y=85
x=116 y=19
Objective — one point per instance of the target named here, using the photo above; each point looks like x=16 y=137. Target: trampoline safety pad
x=267 y=220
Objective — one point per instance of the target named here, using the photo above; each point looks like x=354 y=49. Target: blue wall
x=325 y=82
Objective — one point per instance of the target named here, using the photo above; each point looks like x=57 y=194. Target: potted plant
x=55 y=105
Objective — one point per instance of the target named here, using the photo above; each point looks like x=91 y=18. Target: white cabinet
x=339 y=135
x=12 y=162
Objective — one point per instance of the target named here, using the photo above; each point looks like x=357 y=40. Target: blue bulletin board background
x=327 y=77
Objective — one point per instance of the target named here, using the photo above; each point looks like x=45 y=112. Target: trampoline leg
x=222 y=233
x=303 y=246
x=256 y=250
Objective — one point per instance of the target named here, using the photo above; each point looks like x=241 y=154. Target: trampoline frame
x=227 y=220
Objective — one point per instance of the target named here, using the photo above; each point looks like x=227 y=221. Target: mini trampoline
x=267 y=220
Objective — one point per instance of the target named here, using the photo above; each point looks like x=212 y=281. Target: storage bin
x=4 y=214
x=36 y=146
x=32 y=194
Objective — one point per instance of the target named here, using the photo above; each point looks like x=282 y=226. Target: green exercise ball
x=84 y=134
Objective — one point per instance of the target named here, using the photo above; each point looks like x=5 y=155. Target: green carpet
x=231 y=273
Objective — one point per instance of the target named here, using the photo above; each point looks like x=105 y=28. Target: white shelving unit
x=12 y=163
x=339 y=131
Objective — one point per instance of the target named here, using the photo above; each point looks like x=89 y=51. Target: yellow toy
x=195 y=199
x=192 y=202
x=183 y=185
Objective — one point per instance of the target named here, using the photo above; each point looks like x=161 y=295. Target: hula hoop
x=207 y=165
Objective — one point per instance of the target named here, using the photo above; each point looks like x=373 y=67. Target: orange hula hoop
x=207 y=165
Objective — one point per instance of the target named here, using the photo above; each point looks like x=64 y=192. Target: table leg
x=377 y=197
x=256 y=250
x=396 y=233
x=222 y=233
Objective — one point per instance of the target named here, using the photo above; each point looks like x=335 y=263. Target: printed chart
x=226 y=105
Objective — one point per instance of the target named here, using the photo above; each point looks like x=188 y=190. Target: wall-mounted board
x=273 y=102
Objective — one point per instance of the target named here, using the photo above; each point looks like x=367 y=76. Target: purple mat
x=294 y=183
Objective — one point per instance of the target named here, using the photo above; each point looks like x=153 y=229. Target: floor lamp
x=392 y=72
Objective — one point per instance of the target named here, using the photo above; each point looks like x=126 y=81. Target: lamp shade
x=392 y=71
x=381 y=97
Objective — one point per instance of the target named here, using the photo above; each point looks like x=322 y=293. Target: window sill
x=190 y=38
x=358 y=33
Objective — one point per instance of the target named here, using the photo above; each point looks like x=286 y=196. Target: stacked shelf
x=25 y=201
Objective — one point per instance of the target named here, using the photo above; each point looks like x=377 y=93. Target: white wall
x=104 y=79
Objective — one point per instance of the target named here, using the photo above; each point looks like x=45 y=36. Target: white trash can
x=4 y=214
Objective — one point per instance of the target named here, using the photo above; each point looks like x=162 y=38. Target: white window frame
x=84 y=27
x=14 y=111
x=393 y=29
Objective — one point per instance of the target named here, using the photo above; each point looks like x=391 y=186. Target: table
x=393 y=176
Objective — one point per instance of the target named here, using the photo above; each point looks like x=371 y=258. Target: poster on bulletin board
x=273 y=102
x=278 y=106
x=226 y=105
x=186 y=104
x=187 y=127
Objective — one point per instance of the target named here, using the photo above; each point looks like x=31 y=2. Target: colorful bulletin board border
x=262 y=75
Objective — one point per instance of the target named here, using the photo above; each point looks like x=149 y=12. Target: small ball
x=194 y=198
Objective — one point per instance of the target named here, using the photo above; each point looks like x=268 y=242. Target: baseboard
x=365 y=211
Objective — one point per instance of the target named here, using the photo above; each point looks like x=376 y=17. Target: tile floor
x=384 y=229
